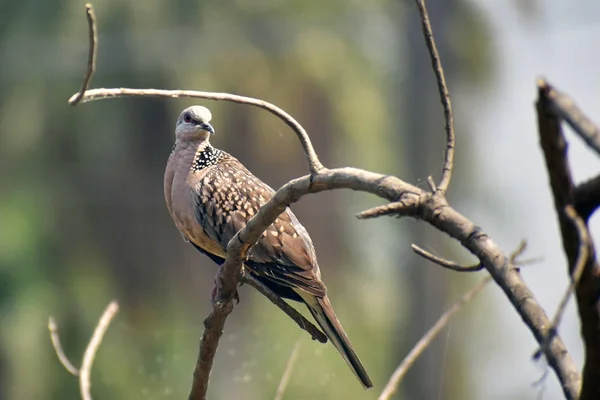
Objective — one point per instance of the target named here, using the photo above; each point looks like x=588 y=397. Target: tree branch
x=90 y=352
x=394 y=382
x=429 y=207
x=565 y=108
x=436 y=64
x=554 y=146
x=582 y=259
x=442 y=262
x=309 y=151
x=92 y=51
x=432 y=209
x=287 y=373
x=62 y=357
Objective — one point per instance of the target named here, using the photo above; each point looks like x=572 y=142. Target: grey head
x=193 y=123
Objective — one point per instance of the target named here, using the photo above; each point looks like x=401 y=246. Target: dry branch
x=565 y=108
x=313 y=161
x=554 y=146
x=582 y=259
x=90 y=352
x=92 y=51
x=407 y=200
x=287 y=372
x=436 y=64
x=442 y=262
x=392 y=386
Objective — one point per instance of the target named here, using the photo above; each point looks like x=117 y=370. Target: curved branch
x=442 y=262
x=90 y=352
x=565 y=108
x=432 y=208
x=392 y=386
x=92 y=51
x=60 y=353
x=436 y=64
x=313 y=160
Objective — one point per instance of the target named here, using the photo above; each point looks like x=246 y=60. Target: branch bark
x=575 y=244
x=407 y=200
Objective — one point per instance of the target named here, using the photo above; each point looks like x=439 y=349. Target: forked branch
x=408 y=200
x=90 y=352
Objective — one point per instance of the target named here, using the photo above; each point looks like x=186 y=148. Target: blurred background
x=83 y=220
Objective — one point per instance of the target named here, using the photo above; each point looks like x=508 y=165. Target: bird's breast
x=181 y=204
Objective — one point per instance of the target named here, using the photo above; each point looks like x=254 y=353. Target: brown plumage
x=211 y=195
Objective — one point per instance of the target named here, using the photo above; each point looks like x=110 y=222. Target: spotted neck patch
x=205 y=157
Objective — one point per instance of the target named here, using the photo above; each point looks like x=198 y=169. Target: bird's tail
x=322 y=311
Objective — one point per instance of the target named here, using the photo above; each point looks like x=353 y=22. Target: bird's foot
x=216 y=293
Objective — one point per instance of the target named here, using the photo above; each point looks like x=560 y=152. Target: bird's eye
x=187 y=117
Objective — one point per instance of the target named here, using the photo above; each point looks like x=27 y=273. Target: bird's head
x=193 y=123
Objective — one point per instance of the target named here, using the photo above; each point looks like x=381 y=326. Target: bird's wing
x=227 y=197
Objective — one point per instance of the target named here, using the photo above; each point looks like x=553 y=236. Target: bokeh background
x=83 y=220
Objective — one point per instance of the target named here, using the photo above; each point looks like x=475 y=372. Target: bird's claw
x=216 y=294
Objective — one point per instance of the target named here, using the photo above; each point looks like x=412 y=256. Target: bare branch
x=90 y=352
x=431 y=208
x=213 y=329
x=392 y=386
x=313 y=160
x=566 y=109
x=436 y=64
x=555 y=147
x=393 y=383
x=442 y=262
x=92 y=349
x=302 y=322
x=287 y=373
x=582 y=260
x=402 y=208
x=62 y=357
x=92 y=51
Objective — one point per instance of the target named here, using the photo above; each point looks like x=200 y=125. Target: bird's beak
x=207 y=127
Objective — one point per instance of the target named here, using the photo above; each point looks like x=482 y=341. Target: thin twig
x=92 y=349
x=434 y=211
x=392 y=386
x=287 y=373
x=313 y=160
x=302 y=322
x=90 y=352
x=393 y=383
x=436 y=64
x=402 y=208
x=582 y=260
x=92 y=51
x=62 y=357
x=566 y=109
x=442 y=262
